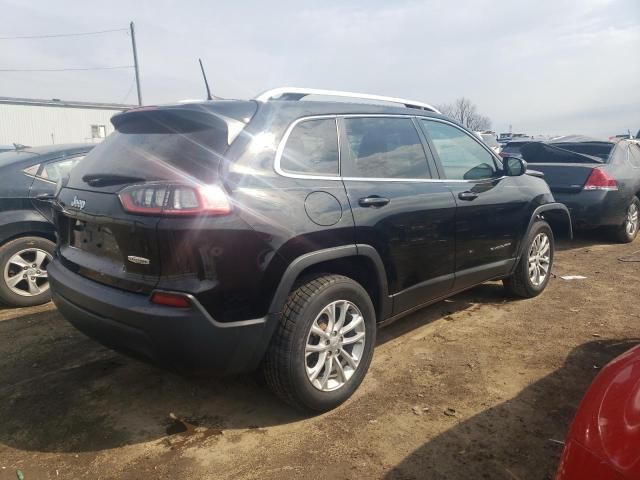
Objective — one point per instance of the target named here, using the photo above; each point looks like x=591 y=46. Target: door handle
x=373 y=201
x=468 y=195
x=45 y=196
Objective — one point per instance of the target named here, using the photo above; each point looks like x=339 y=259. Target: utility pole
x=135 y=62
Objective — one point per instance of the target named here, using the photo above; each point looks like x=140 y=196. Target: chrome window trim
x=279 y=151
x=278 y=169
x=303 y=92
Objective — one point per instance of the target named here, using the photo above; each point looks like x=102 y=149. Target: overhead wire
x=133 y=83
x=59 y=35
x=72 y=69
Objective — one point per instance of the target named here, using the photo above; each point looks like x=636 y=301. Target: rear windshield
x=537 y=152
x=594 y=149
x=174 y=144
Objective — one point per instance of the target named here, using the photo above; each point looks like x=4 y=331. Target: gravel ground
x=478 y=386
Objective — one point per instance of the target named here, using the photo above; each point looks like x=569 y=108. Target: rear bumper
x=177 y=338
x=591 y=209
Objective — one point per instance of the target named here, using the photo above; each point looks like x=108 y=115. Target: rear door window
x=462 y=156
x=312 y=148
x=384 y=147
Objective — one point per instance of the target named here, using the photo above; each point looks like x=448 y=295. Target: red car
x=604 y=438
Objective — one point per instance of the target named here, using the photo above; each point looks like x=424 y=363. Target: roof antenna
x=206 y=83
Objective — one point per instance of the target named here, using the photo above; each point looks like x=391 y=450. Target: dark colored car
x=513 y=147
x=604 y=437
x=232 y=235
x=598 y=180
x=28 y=179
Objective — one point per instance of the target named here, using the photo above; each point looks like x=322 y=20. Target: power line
x=133 y=83
x=4 y=70
x=58 y=35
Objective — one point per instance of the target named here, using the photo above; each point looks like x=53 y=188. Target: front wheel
x=628 y=231
x=324 y=344
x=534 y=267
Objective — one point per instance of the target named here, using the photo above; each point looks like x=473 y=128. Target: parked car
x=512 y=148
x=603 y=439
x=277 y=233
x=505 y=138
x=490 y=139
x=622 y=136
x=28 y=179
x=598 y=180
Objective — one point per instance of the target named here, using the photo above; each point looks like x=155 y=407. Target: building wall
x=43 y=125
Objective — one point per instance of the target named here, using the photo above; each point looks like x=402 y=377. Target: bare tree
x=465 y=112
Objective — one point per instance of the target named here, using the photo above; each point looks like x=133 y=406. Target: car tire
x=17 y=260
x=628 y=231
x=296 y=364
x=537 y=254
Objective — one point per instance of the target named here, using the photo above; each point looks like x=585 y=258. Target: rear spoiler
x=183 y=118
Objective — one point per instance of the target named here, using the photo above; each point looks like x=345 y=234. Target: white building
x=44 y=122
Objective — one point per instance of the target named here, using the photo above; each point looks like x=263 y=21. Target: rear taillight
x=600 y=180
x=170 y=299
x=175 y=200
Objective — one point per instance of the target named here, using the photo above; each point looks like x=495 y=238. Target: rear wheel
x=23 y=271
x=534 y=267
x=324 y=344
x=628 y=231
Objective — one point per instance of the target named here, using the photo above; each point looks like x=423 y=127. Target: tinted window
x=462 y=157
x=54 y=171
x=159 y=145
x=536 y=152
x=593 y=149
x=312 y=148
x=384 y=148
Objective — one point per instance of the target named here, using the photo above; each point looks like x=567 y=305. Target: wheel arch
x=558 y=217
x=362 y=263
x=28 y=229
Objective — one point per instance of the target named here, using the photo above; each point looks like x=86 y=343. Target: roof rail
x=297 y=93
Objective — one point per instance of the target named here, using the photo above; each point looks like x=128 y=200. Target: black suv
x=229 y=235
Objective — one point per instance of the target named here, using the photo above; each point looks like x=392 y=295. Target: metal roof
x=55 y=102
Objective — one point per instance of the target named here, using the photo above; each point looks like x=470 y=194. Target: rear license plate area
x=93 y=238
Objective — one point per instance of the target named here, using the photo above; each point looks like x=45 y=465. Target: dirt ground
x=478 y=386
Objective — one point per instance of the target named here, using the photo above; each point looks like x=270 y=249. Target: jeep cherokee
x=279 y=233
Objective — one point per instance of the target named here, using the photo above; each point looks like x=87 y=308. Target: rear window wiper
x=105 y=179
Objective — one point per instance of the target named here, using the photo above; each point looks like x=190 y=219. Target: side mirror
x=514 y=166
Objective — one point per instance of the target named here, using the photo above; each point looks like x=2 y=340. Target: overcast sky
x=544 y=66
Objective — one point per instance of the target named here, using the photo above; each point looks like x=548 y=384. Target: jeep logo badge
x=77 y=203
